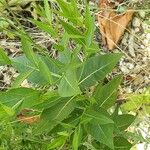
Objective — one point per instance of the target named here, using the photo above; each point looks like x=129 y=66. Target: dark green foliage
x=72 y=116
x=107 y=94
x=25 y=96
x=96 y=68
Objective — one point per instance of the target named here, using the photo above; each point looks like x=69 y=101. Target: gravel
x=136 y=22
x=142 y=14
x=136 y=45
x=131 y=44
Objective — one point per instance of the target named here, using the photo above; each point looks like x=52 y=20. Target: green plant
x=138 y=101
x=72 y=114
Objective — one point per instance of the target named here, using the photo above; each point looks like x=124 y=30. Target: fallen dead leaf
x=112 y=25
x=28 y=119
x=109 y=3
x=23 y=117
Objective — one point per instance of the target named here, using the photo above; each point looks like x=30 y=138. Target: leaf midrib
x=108 y=97
x=35 y=69
x=59 y=113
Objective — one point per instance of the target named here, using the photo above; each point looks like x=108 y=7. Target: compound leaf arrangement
x=59 y=109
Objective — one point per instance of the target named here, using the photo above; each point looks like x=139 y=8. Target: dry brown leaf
x=23 y=117
x=28 y=119
x=108 y=3
x=112 y=25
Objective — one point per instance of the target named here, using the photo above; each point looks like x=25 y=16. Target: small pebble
x=143 y=36
x=137 y=69
x=136 y=22
x=131 y=44
x=129 y=90
x=124 y=69
x=142 y=46
x=148 y=50
x=145 y=59
x=144 y=26
x=130 y=66
x=148 y=36
x=7 y=79
x=125 y=39
x=146 y=79
x=146 y=42
x=137 y=30
x=142 y=14
x=1 y=68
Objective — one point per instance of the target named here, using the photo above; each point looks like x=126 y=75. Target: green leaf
x=133 y=104
x=76 y=13
x=106 y=96
x=3 y=24
x=23 y=65
x=123 y=121
x=59 y=111
x=4 y=59
x=101 y=133
x=54 y=65
x=45 y=27
x=48 y=11
x=65 y=55
x=20 y=78
x=47 y=100
x=100 y=126
x=92 y=49
x=6 y=111
x=77 y=138
x=96 y=68
x=72 y=31
x=90 y=26
x=68 y=85
x=135 y=101
x=57 y=143
x=65 y=6
x=147 y=109
x=28 y=50
x=55 y=114
x=59 y=47
x=98 y=117
x=121 y=143
x=70 y=11
x=44 y=70
x=28 y=96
